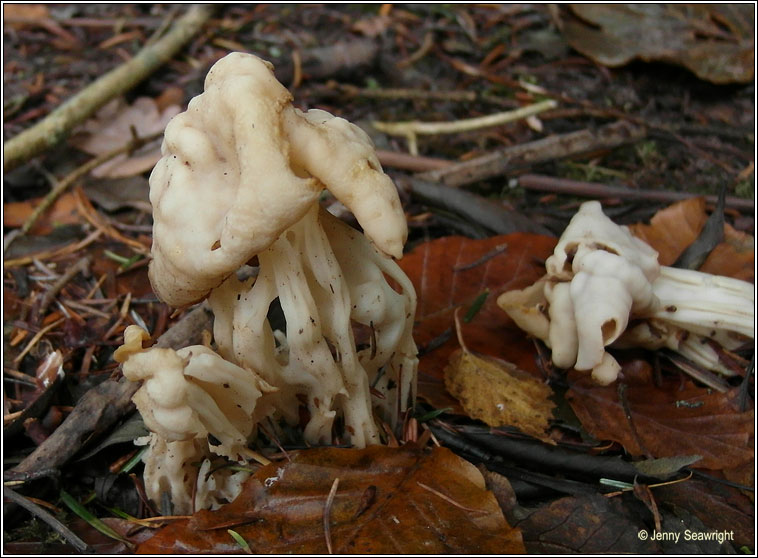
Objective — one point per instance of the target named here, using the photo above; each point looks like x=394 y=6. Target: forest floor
x=649 y=110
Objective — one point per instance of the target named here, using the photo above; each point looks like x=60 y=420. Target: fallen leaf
x=594 y=524
x=735 y=257
x=423 y=503
x=675 y=418
x=715 y=41
x=452 y=272
x=111 y=128
x=719 y=506
x=499 y=394
x=674 y=228
x=62 y=212
x=119 y=193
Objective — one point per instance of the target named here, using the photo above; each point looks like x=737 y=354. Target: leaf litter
x=450 y=273
x=423 y=503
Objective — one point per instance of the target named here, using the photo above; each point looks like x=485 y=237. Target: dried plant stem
x=98 y=221
x=37 y=511
x=39 y=335
x=413 y=129
x=328 y=513
x=59 y=123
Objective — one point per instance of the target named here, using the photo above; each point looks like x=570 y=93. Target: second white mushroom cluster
x=605 y=287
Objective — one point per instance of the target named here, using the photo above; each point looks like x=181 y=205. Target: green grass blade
x=87 y=516
x=239 y=540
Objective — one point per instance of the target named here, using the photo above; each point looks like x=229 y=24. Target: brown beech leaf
x=62 y=212
x=500 y=394
x=735 y=257
x=715 y=41
x=452 y=272
x=674 y=228
x=388 y=501
x=677 y=418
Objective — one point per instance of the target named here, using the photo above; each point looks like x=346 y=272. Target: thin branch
x=524 y=155
x=59 y=123
x=81 y=265
x=37 y=511
x=596 y=190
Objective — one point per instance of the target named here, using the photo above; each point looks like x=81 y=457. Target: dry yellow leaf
x=499 y=394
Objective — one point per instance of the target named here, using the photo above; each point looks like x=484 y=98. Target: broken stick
x=524 y=155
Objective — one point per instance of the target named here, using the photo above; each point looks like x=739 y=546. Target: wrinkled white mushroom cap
x=589 y=230
x=597 y=277
x=241 y=165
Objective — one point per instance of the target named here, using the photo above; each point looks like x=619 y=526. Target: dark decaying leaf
x=675 y=418
x=423 y=503
x=715 y=41
x=452 y=272
x=721 y=507
x=594 y=524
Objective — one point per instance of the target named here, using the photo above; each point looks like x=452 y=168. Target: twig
x=39 y=335
x=327 y=515
x=59 y=123
x=412 y=129
x=423 y=50
x=103 y=405
x=406 y=161
x=87 y=211
x=81 y=265
x=48 y=518
x=596 y=190
x=524 y=155
x=499 y=249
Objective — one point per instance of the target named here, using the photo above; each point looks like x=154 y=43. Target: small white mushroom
x=600 y=279
x=196 y=405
